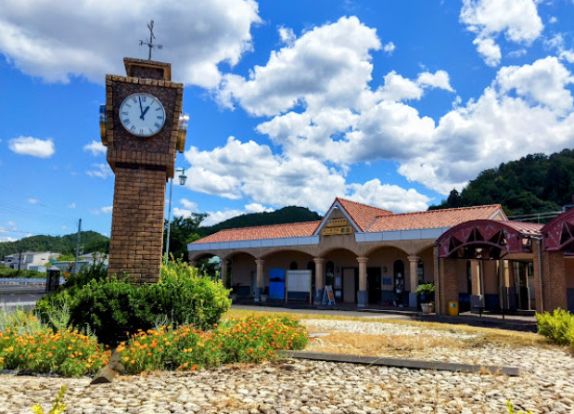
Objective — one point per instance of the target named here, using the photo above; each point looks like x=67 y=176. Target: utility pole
x=78 y=246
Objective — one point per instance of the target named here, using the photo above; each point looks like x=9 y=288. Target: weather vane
x=150 y=43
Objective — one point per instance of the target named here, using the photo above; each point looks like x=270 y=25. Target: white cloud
x=518 y=20
x=101 y=170
x=102 y=210
x=389 y=48
x=287 y=35
x=188 y=204
x=72 y=205
x=33 y=200
x=95 y=147
x=543 y=82
x=398 y=88
x=35 y=147
x=90 y=38
x=327 y=64
x=182 y=212
x=251 y=170
x=440 y=80
x=256 y=208
x=389 y=197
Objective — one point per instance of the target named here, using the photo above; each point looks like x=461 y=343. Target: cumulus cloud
x=388 y=196
x=214 y=217
x=95 y=148
x=100 y=170
x=90 y=38
x=35 y=147
x=518 y=20
x=327 y=64
x=102 y=210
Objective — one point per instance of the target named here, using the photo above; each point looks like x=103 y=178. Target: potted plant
x=426 y=294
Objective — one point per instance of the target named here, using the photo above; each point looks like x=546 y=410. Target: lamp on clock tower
x=140 y=125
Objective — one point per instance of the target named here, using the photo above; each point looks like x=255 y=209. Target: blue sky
x=392 y=103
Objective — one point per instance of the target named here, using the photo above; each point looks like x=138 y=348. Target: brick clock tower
x=142 y=127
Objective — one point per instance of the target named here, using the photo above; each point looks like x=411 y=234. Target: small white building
x=30 y=260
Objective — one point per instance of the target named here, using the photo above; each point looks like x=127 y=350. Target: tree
x=184 y=230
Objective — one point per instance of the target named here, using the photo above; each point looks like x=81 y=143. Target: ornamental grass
x=252 y=339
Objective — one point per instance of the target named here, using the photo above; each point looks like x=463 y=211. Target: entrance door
x=349 y=285
x=374 y=285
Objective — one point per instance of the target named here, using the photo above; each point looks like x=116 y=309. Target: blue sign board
x=277 y=284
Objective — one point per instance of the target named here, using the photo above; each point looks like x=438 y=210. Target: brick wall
x=554 y=281
x=448 y=284
x=137 y=223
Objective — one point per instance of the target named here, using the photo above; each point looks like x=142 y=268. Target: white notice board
x=299 y=281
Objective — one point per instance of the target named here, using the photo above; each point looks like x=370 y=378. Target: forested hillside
x=91 y=241
x=533 y=184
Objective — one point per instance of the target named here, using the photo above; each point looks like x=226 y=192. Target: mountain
x=90 y=241
x=533 y=184
x=291 y=214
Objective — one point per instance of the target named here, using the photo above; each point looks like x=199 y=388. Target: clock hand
x=141 y=109
x=144 y=112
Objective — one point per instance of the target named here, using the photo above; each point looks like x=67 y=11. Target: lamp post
x=182 y=178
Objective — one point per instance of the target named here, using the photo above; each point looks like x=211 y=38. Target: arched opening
x=342 y=274
x=288 y=276
x=242 y=275
x=208 y=264
x=490 y=264
x=559 y=254
x=388 y=277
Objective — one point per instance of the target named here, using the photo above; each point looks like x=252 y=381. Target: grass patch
x=485 y=336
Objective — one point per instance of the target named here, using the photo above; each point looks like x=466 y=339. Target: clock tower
x=142 y=127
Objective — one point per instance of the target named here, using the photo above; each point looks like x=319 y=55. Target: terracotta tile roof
x=276 y=231
x=363 y=214
x=434 y=218
x=526 y=228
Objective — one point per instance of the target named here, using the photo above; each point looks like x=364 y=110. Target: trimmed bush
x=253 y=339
x=114 y=308
x=558 y=326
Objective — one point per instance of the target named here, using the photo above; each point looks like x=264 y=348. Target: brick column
x=363 y=295
x=137 y=224
x=414 y=282
x=319 y=279
x=260 y=282
x=555 y=292
x=448 y=284
x=539 y=293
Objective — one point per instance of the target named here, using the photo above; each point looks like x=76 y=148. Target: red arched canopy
x=559 y=233
x=487 y=239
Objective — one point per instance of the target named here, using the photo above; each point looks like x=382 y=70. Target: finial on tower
x=150 y=43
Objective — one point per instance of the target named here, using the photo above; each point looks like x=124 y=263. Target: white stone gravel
x=546 y=385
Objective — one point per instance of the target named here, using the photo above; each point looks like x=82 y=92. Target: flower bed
x=66 y=353
x=252 y=339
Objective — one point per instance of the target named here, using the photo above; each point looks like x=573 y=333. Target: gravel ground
x=546 y=385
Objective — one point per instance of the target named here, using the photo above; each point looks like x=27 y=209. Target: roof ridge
x=362 y=204
x=268 y=225
x=448 y=209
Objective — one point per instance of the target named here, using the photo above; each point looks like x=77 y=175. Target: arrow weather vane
x=150 y=43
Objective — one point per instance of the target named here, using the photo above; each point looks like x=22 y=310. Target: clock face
x=142 y=114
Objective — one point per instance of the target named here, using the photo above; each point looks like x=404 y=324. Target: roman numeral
x=158 y=108
x=159 y=117
x=124 y=112
x=133 y=128
x=126 y=121
x=157 y=125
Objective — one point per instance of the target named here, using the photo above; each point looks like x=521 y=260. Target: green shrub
x=113 y=308
x=252 y=339
x=67 y=353
x=96 y=271
x=558 y=326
